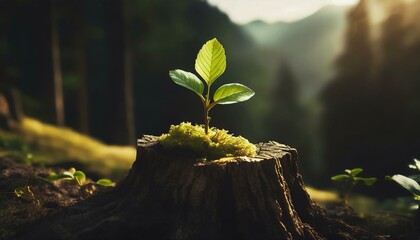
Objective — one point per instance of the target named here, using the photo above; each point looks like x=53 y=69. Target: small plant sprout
x=210 y=64
x=71 y=174
x=78 y=176
x=27 y=194
x=410 y=183
x=349 y=180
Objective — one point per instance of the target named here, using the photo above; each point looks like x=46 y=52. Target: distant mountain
x=265 y=33
x=310 y=45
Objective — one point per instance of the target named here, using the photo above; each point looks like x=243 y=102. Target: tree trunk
x=48 y=67
x=175 y=195
x=81 y=68
x=56 y=67
x=121 y=126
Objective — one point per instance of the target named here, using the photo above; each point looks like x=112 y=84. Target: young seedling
x=210 y=64
x=78 y=176
x=27 y=194
x=410 y=183
x=349 y=180
x=71 y=174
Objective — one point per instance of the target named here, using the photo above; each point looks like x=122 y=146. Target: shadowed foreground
x=175 y=195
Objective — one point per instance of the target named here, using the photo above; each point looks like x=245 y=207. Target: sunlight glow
x=244 y=11
x=344 y=2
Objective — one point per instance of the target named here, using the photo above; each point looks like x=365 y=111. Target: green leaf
x=370 y=181
x=340 y=177
x=408 y=184
x=62 y=176
x=389 y=178
x=52 y=177
x=232 y=93
x=187 y=80
x=366 y=181
x=416 y=164
x=415 y=177
x=80 y=177
x=211 y=61
x=66 y=175
x=355 y=171
x=105 y=182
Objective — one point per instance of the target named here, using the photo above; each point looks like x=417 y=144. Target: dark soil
x=385 y=225
x=41 y=197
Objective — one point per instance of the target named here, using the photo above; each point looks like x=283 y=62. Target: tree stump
x=176 y=195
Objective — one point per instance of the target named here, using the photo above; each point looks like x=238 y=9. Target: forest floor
x=34 y=150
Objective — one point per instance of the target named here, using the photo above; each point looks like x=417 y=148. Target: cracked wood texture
x=176 y=195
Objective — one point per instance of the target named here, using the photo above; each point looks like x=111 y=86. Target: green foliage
x=210 y=64
x=416 y=165
x=78 y=176
x=14 y=144
x=66 y=175
x=211 y=61
x=409 y=183
x=105 y=182
x=232 y=93
x=214 y=145
x=349 y=180
x=187 y=80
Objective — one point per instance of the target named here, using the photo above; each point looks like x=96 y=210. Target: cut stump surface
x=175 y=195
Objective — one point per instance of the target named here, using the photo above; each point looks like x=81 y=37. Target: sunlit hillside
x=46 y=144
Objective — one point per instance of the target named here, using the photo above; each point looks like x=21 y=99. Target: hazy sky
x=244 y=11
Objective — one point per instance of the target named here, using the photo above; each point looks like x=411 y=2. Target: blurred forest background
x=342 y=85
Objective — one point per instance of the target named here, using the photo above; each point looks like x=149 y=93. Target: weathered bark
x=174 y=195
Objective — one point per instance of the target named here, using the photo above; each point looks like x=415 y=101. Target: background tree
x=372 y=103
x=348 y=100
x=48 y=65
x=287 y=118
x=8 y=71
x=74 y=37
x=397 y=138
x=120 y=110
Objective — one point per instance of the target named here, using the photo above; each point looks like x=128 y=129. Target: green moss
x=217 y=144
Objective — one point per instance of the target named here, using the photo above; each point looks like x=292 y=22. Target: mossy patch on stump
x=216 y=144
